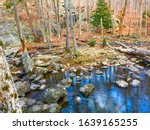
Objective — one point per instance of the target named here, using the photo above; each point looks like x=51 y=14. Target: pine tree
x=102 y=12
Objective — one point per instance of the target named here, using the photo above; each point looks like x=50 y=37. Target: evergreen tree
x=102 y=13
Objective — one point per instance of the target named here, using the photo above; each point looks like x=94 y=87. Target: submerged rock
x=122 y=83
x=134 y=69
x=148 y=72
x=98 y=72
x=135 y=83
x=72 y=75
x=77 y=100
x=87 y=90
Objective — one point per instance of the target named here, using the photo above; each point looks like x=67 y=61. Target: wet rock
x=27 y=62
x=78 y=78
x=25 y=102
x=42 y=81
x=148 y=72
x=52 y=95
x=87 y=90
x=122 y=83
x=135 y=83
x=134 y=69
x=72 y=75
x=34 y=86
x=63 y=101
x=98 y=72
x=22 y=88
x=77 y=99
x=65 y=83
x=42 y=87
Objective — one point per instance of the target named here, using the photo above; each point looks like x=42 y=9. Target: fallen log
x=8 y=94
x=140 y=53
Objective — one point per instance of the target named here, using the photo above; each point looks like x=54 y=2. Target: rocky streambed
x=108 y=83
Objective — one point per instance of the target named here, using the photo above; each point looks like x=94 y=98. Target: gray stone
x=86 y=90
x=41 y=70
x=54 y=108
x=134 y=69
x=135 y=83
x=42 y=87
x=77 y=99
x=122 y=83
x=34 y=86
x=22 y=88
x=25 y=102
x=52 y=95
x=148 y=72
x=27 y=62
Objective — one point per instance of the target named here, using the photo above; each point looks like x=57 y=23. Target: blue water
x=107 y=96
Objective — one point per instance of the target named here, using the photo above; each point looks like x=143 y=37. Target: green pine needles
x=102 y=12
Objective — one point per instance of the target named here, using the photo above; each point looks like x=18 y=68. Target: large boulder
x=27 y=62
x=86 y=90
x=53 y=95
x=65 y=83
x=122 y=83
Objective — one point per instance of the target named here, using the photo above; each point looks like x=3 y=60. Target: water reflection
x=107 y=97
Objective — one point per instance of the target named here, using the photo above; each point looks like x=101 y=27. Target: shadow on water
x=107 y=96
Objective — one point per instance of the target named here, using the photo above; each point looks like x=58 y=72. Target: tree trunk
x=121 y=17
x=67 y=24
x=22 y=39
x=8 y=94
x=72 y=27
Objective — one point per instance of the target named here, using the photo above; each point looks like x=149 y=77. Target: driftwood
x=141 y=53
x=8 y=94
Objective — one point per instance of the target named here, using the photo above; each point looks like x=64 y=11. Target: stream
x=107 y=96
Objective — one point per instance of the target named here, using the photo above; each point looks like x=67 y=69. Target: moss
x=5 y=88
x=7 y=77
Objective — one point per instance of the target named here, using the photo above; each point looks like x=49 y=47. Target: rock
x=41 y=63
x=87 y=90
x=54 y=108
x=38 y=108
x=148 y=72
x=41 y=70
x=72 y=75
x=42 y=81
x=38 y=78
x=32 y=77
x=78 y=78
x=12 y=52
x=98 y=72
x=65 y=83
x=52 y=95
x=135 y=83
x=77 y=100
x=27 y=62
x=122 y=83
x=42 y=87
x=22 y=88
x=25 y=102
x=34 y=86
x=134 y=69
x=55 y=72
x=56 y=67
